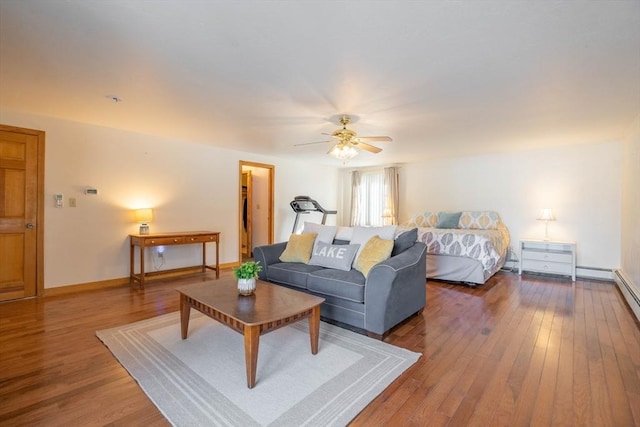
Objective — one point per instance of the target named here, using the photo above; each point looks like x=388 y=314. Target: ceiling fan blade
x=310 y=143
x=375 y=138
x=369 y=148
x=329 y=134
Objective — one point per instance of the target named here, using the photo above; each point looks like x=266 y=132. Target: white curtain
x=367 y=198
x=374 y=197
x=391 y=195
x=355 y=205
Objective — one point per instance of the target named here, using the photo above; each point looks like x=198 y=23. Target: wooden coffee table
x=270 y=308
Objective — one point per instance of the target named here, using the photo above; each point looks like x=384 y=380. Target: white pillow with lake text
x=339 y=257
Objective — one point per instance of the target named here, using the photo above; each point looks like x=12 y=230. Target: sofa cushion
x=333 y=256
x=344 y=233
x=292 y=273
x=376 y=250
x=361 y=235
x=299 y=248
x=343 y=284
x=326 y=233
x=404 y=241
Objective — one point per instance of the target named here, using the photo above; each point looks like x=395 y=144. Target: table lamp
x=144 y=216
x=546 y=215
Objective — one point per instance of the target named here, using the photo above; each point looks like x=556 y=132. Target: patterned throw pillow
x=339 y=257
x=299 y=248
x=376 y=250
x=424 y=220
x=479 y=220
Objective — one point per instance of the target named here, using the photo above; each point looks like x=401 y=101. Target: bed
x=469 y=250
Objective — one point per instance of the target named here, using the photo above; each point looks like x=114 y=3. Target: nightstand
x=548 y=256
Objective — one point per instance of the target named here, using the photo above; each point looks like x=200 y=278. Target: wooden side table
x=168 y=239
x=548 y=256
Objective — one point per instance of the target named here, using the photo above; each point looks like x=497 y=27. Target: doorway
x=255 y=207
x=21 y=212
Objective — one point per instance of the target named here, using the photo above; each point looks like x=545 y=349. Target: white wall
x=630 y=264
x=581 y=183
x=186 y=184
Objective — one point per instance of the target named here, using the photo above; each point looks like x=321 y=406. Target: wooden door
x=21 y=179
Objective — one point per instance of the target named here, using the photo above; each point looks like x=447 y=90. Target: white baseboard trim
x=630 y=292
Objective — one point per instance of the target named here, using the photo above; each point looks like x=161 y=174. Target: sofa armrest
x=396 y=289
x=267 y=255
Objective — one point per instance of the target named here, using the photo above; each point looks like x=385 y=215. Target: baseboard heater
x=582 y=272
x=631 y=294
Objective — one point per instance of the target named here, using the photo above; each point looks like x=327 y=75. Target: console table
x=168 y=239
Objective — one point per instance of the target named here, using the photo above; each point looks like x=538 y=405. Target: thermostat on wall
x=92 y=191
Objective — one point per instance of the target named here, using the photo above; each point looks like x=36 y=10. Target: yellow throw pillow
x=299 y=248
x=375 y=250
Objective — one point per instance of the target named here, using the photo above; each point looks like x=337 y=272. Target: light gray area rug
x=201 y=381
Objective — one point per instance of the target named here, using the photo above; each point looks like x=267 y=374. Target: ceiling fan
x=347 y=140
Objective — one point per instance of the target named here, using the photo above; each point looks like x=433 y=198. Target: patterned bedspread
x=489 y=247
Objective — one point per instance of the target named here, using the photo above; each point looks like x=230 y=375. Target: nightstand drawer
x=552 y=256
x=547 y=267
x=162 y=241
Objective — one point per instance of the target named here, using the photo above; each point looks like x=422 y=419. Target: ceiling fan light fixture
x=344 y=152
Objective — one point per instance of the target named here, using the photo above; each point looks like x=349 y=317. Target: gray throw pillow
x=448 y=220
x=404 y=241
x=339 y=257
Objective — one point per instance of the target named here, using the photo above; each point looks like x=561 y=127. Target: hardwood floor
x=516 y=351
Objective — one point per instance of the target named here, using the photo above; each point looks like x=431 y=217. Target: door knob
x=29 y=225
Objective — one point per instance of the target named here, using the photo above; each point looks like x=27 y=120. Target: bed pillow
x=299 y=248
x=448 y=219
x=325 y=233
x=425 y=220
x=361 y=236
x=480 y=220
x=339 y=257
x=375 y=250
x=404 y=241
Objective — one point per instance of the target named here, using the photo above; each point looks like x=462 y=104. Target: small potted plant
x=246 y=275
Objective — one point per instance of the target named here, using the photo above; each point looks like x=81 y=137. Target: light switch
x=72 y=202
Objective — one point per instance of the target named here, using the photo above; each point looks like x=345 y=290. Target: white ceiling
x=443 y=78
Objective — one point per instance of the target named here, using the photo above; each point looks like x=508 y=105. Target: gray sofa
x=394 y=290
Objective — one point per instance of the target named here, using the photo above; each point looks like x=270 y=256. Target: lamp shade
x=144 y=215
x=546 y=215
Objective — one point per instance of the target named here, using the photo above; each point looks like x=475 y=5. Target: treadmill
x=305 y=205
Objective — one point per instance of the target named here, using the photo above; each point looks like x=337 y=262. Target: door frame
x=270 y=227
x=249 y=201
x=40 y=135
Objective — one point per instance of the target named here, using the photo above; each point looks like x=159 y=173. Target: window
x=370 y=199
x=374 y=197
